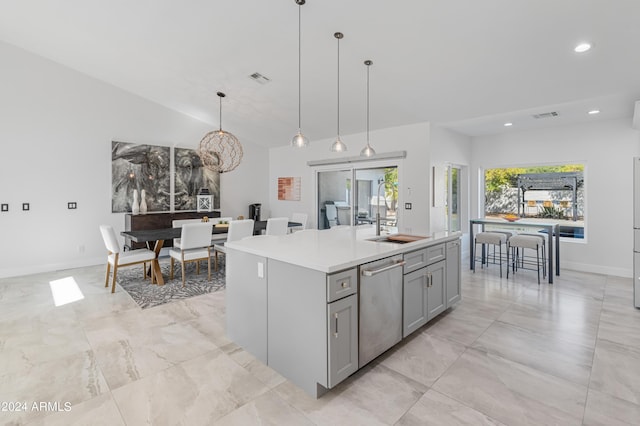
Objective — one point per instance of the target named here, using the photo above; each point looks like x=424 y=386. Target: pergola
x=569 y=181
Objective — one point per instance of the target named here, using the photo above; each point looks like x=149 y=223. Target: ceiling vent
x=545 y=115
x=259 y=78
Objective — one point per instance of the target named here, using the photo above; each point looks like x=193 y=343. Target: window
x=539 y=193
x=342 y=203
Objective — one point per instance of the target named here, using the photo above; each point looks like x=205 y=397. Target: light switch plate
x=4 y=207
x=25 y=206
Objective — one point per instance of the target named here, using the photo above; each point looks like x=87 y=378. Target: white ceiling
x=468 y=64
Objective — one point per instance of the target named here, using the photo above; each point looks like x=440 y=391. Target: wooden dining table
x=157 y=237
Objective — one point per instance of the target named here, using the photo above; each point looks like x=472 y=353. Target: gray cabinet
x=453 y=290
x=342 y=332
x=424 y=290
x=414 y=297
x=436 y=297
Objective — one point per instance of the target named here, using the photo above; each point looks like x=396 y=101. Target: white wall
x=413 y=172
x=606 y=148
x=56 y=131
x=451 y=148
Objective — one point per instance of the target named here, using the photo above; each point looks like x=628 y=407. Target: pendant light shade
x=338 y=145
x=299 y=140
x=220 y=151
x=368 y=151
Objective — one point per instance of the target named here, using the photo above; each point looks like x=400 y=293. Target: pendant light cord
x=299 y=68
x=338 y=86
x=368 y=105
x=220 y=98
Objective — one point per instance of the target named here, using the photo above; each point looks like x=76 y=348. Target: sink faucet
x=378 y=218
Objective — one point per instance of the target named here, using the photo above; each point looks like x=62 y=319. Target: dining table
x=550 y=228
x=157 y=237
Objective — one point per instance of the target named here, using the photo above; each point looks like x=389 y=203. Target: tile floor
x=511 y=353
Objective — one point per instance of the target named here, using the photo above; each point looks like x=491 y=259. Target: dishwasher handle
x=372 y=272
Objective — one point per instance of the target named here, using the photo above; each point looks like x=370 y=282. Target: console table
x=158 y=220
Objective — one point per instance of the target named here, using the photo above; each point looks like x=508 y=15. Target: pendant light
x=338 y=145
x=299 y=140
x=220 y=151
x=368 y=151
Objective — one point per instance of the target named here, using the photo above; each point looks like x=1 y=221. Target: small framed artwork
x=289 y=188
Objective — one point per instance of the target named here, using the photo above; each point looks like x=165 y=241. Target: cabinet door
x=342 y=335
x=436 y=297
x=414 y=305
x=453 y=272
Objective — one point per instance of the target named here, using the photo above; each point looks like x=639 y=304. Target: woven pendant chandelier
x=220 y=151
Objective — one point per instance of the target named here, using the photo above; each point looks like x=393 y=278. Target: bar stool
x=517 y=242
x=543 y=238
x=497 y=239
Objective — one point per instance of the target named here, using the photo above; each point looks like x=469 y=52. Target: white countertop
x=331 y=250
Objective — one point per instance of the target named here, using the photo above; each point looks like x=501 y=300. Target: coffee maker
x=254 y=211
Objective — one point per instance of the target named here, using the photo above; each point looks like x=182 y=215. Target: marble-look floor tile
x=571 y=324
x=374 y=395
x=265 y=374
x=20 y=351
x=267 y=409
x=145 y=353
x=195 y=392
x=409 y=359
x=72 y=379
x=476 y=308
x=463 y=329
x=606 y=410
x=99 y=411
x=436 y=409
x=558 y=357
x=620 y=324
x=616 y=371
x=510 y=392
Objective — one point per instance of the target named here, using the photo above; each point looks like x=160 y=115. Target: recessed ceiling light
x=582 y=47
x=594 y=112
x=508 y=124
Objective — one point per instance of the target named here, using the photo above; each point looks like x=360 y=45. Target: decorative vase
x=135 y=205
x=143 y=202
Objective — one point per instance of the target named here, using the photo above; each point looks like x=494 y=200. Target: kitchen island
x=318 y=305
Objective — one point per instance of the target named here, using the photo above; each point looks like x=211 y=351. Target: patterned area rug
x=147 y=295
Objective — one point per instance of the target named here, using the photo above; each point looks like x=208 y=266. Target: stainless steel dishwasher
x=380 y=307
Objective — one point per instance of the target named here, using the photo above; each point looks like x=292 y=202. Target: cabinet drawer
x=342 y=284
x=423 y=257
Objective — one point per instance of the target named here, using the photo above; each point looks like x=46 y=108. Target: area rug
x=148 y=295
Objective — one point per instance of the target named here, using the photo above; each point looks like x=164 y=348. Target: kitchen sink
x=397 y=238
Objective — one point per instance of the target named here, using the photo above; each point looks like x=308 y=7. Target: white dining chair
x=217 y=238
x=118 y=258
x=299 y=218
x=238 y=229
x=195 y=246
x=277 y=226
x=178 y=224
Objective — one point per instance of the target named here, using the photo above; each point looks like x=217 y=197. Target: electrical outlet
x=72 y=205
x=407 y=206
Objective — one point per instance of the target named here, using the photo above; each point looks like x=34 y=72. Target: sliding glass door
x=341 y=202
